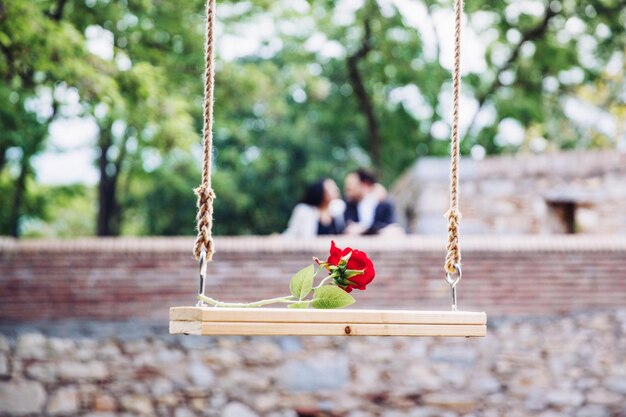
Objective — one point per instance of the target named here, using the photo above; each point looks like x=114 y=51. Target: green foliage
x=161 y=202
x=287 y=113
x=331 y=296
x=301 y=283
x=6 y=189
x=62 y=211
x=21 y=138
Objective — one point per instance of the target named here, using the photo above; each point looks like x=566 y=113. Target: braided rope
x=453 y=256
x=205 y=193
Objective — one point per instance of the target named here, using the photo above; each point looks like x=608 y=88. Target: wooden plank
x=282 y=315
x=325 y=329
x=186 y=327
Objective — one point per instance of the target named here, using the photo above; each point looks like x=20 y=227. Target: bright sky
x=70 y=154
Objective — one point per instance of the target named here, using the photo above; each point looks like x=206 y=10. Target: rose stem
x=289 y=299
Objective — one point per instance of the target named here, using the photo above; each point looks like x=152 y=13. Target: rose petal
x=358 y=261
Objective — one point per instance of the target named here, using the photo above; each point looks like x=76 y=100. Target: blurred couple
x=365 y=211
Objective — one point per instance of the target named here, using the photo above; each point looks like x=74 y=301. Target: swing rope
x=453 y=256
x=204 y=241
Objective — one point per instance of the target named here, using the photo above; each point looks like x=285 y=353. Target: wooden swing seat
x=217 y=321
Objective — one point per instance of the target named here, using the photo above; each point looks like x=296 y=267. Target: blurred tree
x=33 y=43
x=24 y=135
x=540 y=57
x=141 y=113
x=304 y=89
x=161 y=202
x=63 y=211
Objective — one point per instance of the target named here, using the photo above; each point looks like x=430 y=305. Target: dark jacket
x=383 y=216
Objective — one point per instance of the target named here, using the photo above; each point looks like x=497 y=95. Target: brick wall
x=124 y=278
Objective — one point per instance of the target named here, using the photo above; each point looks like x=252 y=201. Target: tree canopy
x=303 y=89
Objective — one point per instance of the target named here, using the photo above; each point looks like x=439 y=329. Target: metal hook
x=452 y=280
x=202 y=267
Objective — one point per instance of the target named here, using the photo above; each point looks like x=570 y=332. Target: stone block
x=81 y=371
x=456 y=354
x=616 y=384
x=433 y=200
x=241 y=380
x=161 y=386
x=5 y=346
x=454 y=401
x=21 y=397
x=42 y=371
x=5 y=368
x=432 y=412
x=59 y=347
x=266 y=402
x=104 y=402
x=63 y=402
x=327 y=371
x=592 y=410
x=138 y=404
x=31 y=346
x=200 y=375
x=604 y=397
x=565 y=398
x=430 y=224
x=236 y=409
x=498 y=188
x=184 y=412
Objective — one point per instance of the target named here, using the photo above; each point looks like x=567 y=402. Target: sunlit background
x=101 y=101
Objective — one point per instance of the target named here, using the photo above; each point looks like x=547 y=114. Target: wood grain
x=310 y=322
x=283 y=315
x=325 y=329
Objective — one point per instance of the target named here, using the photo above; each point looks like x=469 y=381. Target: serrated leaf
x=330 y=296
x=301 y=304
x=301 y=283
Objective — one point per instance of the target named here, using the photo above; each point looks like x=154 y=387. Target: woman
x=320 y=211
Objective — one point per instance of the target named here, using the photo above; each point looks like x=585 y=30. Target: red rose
x=357 y=272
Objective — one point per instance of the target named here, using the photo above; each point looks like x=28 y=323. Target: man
x=368 y=212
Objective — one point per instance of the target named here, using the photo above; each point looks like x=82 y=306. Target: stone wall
x=121 y=278
x=544 y=367
x=584 y=192
x=83 y=332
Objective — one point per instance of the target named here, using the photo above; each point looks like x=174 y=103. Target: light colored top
x=367 y=210
x=305 y=219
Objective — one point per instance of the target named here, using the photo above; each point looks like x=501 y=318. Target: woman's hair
x=314 y=193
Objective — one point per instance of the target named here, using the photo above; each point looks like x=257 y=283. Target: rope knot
x=205 y=194
x=453 y=255
x=453 y=215
x=204 y=241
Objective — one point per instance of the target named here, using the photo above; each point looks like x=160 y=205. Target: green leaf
x=301 y=304
x=331 y=296
x=4 y=39
x=302 y=282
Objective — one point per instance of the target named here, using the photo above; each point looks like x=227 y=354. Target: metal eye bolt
x=453 y=280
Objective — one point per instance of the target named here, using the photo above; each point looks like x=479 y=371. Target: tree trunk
x=108 y=223
x=57 y=13
x=363 y=98
x=530 y=35
x=18 y=197
x=3 y=155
